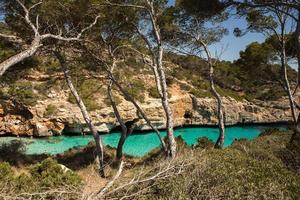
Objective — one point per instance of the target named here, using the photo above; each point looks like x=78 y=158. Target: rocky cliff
x=51 y=115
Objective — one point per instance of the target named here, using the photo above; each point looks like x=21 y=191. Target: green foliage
x=185 y=87
x=117 y=100
x=87 y=90
x=6 y=172
x=23 y=92
x=200 y=93
x=153 y=92
x=47 y=65
x=50 y=110
x=50 y=175
x=250 y=169
x=136 y=88
x=229 y=93
x=42 y=177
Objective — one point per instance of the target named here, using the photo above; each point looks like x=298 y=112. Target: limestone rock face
x=20 y=120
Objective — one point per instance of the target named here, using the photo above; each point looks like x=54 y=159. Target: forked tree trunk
x=125 y=131
x=85 y=114
x=139 y=109
x=161 y=82
x=221 y=120
x=5 y=65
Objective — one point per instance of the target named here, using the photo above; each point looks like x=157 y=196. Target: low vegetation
x=249 y=169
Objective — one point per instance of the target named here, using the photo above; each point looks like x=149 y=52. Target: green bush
x=50 y=175
x=185 y=87
x=50 y=110
x=87 y=91
x=41 y=178
x=23 y=93
x=153 y=92
x=137 y=90
x=201 y=93
x=6 y=172
x=249 y=169
x=12 y=151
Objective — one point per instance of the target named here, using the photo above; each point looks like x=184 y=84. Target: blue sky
x=231 y=44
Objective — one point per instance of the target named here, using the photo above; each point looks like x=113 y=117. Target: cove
x=139 y=144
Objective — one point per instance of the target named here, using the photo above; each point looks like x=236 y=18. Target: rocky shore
x=17 y=119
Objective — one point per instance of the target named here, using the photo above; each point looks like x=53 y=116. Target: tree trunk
x=162 y=83
x=97 y=137
x=221 y=138
x=124 y=129
x=286 y=81
x=139 y=109
x=221 y=120
x=120 y=147
x=166 y=107
x=296 y=135
x=297 y=35
x=36 y=43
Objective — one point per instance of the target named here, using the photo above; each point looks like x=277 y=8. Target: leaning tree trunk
x=221 y=120
x=5 y=65
x=85 y=114
x=139 y=109
x=286 y=81
x=124 y=130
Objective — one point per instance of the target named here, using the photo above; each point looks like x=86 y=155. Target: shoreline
x=140 y=132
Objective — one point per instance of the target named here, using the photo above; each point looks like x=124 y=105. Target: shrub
x=6 y=172
x=153 y=92
x=50 y=175
x=50 y=110
x=117 y=99
x=23 y=93
x=185 y=87
x=137 y=90
x=12 y=151
x=43 y=177
x=200 y=93
x=87 y=90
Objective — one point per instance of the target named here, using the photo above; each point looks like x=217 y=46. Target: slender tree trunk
x=121 y=142
x=221 y=120
x=139 y=109
x=286 y=81
x=35 y=44
x=85 y=114
x=124 y=129
x=296 y=135
x=297 y=35
x=166 y=107
x=162 y=83
x=221 y=138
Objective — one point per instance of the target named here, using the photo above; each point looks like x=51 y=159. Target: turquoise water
x=138 y=144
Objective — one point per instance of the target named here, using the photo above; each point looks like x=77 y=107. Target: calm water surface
x=139 y=144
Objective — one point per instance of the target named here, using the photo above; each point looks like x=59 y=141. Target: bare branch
x=110 y=183
x=27 y=16
x=11 y=38
x=68 y=39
